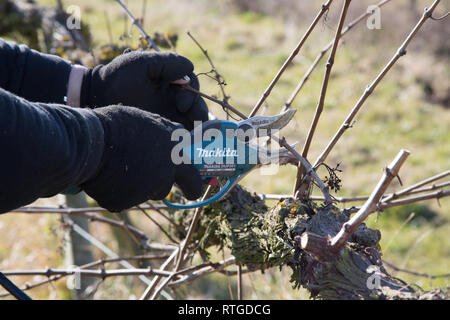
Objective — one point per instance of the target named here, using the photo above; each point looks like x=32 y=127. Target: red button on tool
x=213 y=182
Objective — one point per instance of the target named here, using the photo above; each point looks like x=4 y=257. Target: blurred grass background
x=248 y=41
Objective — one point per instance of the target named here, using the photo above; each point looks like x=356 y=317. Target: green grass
x=248 y=48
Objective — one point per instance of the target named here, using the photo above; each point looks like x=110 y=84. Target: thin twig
x=408 y=190
x=434 y=195
x=371 y=204
x=291 y=57
x=160 y=227
x=400 y=52
x=100 y=273
x=239 y=282
x=324 y=249
x=359 y=198
x=217 y=76
x=219 y=102
x=203 y=272
x=143 y=12
x=170 y=220
x=397 y=232
x=192 y=228
x=309 y=169
x=441 y=17
x=316 y=198
x=322 y=97
x=148 y=291
x=90 y=265
x=127 y=228
x=419 y=274
x=321 y=54
x=119 y=224
x=108 y=27
x=183 y=245
x=105 y=249
x=38 y=209
x=183 y=276
x=395 y=203
x=135 y=21
x=326 y=78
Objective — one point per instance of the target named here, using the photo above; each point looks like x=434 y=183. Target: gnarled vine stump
x=261 y=238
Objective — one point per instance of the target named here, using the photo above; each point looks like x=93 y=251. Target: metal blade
x=281 y=156
x=270 y=123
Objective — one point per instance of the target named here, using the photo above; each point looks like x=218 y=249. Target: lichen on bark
x=260 y=238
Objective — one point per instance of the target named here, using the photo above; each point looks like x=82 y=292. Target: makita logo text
x=224 y=152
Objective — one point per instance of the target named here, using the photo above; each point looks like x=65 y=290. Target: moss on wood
x=261 y=238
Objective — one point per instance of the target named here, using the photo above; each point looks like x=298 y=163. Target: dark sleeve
x=44 y=149
x=32 y=75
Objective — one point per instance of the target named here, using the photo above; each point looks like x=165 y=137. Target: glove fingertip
x=184 y=100
x=186 y=65
x=200 y=112
x=176 y=67
x=189 y=181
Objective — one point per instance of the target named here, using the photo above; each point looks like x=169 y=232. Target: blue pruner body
x=219 y=149
x=223 y=149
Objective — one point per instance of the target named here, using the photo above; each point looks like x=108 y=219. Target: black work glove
x=136 y=165
x=142 y=79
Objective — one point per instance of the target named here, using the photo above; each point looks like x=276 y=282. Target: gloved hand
x=136 y=165
x=142 y=79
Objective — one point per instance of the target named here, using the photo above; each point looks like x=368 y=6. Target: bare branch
x=360 y=198
x=324 y=249
x=219 y=102
x=371 y=204
x=183 y=245
x=321 y=102
x=434 y=195
x=217 y=76
x=83 y=212
x=291 y=57
x=170 y=220
x=150 y=288
x=152 y=44
x=414 y=273
x=321 y=54
x=309 y=169
x=203 y=272
x=395 y=203
x=158 y=225
x=100 y=273
x=326 y=78
x=138 y=25
x=239 y=282
x=90 y=265
x=400 y=52
x=316 y=198
x=38 y=209
x=120 y=224
x=409 y=190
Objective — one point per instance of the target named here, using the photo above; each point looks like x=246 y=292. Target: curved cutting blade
x=269 y=123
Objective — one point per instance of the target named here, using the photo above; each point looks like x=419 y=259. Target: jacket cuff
x=45 y=77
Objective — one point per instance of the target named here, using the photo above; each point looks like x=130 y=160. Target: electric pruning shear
x=226 y=149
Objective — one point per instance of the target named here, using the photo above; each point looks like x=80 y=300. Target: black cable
x=12 y=288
